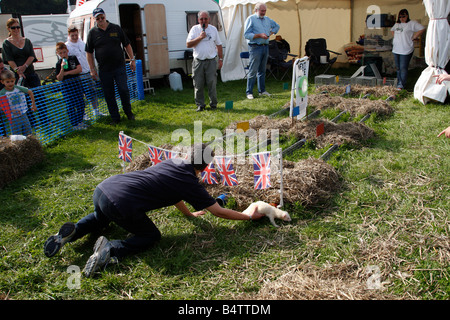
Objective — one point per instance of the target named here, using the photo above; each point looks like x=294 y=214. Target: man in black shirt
x=126 y=198
x=107 y=41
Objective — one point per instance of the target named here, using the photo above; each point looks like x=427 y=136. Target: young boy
x=68 y=69
x=76 y=48
x=17 y=99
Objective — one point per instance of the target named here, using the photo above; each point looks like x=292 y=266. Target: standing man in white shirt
x=205 y=41
x=76 y=48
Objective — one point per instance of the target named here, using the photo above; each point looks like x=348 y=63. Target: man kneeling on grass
x=126 y=198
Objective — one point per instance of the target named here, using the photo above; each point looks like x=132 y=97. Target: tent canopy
x=338 y=21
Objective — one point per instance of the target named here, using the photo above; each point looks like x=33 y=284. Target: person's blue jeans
x=75 y=105
x=32 y=81
x=258 y=56
x=402 y=64
x=107 y=79
x=144 y=231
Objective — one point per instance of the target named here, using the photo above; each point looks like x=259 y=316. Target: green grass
x=392 y=212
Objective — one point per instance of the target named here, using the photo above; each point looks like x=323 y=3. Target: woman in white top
x=405 y=31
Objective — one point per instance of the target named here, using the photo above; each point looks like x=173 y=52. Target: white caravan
x=157 y=29
x=44 y=31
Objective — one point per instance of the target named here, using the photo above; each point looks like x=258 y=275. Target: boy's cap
x=97 y=11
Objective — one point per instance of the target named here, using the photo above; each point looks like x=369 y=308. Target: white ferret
x=269 y=211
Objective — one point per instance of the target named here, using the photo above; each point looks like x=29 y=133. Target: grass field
x=384 y=235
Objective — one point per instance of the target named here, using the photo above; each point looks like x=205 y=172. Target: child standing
x=17 y=99
x=76 y=48
x=68 y=69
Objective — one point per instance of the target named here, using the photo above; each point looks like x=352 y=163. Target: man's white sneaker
x=265 y=93
x=250 y=96
x=80 y=126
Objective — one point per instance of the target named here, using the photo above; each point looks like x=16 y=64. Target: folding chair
x=278 y=53
x=245 y=60
x=319 y=55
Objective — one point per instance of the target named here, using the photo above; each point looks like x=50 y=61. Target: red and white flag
x=227 y=174
x=209 y=175
x=125 y=147
x=261 y=170
x=156 y=155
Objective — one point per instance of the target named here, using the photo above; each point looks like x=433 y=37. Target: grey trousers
x=205 y=72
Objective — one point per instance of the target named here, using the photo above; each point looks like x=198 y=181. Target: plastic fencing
x=62 y=107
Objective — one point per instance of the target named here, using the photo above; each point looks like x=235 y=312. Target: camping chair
x=319 y=55
x=278 y=53
x=245 y=60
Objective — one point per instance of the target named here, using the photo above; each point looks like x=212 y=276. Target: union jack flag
x=156 y=155
x=169 y=154
x=261 y=167
x=226 y=171
x=125 y=147
x=209 y=175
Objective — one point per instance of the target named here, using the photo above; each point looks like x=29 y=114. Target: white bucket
x=17 y=137
x=175 y=81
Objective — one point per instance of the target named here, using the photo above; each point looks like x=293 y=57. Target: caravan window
x=192 y=20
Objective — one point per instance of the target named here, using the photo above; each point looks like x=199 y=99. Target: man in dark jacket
x=107 y=41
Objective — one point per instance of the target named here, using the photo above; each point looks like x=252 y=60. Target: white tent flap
x=437 y=53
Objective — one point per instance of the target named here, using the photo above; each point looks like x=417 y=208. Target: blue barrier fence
x=63 y=107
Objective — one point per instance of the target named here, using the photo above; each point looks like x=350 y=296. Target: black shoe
x=200 y=109
x=213 y=107
x=131 y=116
x=56 y=242
x=100 y=258
x=114 y=122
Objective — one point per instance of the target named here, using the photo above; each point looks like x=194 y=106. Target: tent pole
x=351 y=19
x=299 y=29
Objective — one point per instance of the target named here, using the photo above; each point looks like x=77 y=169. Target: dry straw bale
x=346 y=132
x=353 y=133
x=16 y=157
x=309 y=182
x=359 y=90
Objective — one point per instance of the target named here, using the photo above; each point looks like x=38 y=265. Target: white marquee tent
x=338 y=21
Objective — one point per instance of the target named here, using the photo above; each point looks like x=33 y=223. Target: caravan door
x=157 y=43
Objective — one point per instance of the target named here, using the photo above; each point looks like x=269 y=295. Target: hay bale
x=359 y=90
x=308 y=182
x=346 y=132
x=353 y=106
x=16 y=157
x=353 y=133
